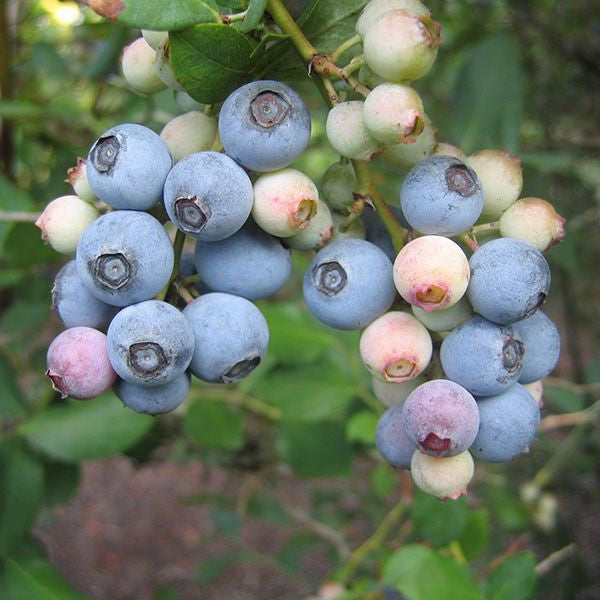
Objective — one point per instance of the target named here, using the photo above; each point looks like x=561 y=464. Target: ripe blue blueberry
x=349 y=283
x=75 y=305
x=250 y=263
x=231 y=337
x=125 y=257
x=208 y=196
x=542 y=340
x=441 y=195
x=483 y=357
x=264 y=125
x=509 y=280
x=376 y=233
x=507 y=425
x=150 y=343
x=127 y=167
x=391 y=441
x=153 y=400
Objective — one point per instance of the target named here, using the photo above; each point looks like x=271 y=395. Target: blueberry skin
x=75 y=305
x=150 y=343
x=124 y=257
x=391 y=440
x=483 y=357
x=376 y=233
x=349 y=283
x=127 y=167
x=153 y=400
x=250 y=263
x=507 y=425
x=208 y=196
x=264 y=125
x=442 y=196
x=509 y=280
x=231 y=337
x=542 y=340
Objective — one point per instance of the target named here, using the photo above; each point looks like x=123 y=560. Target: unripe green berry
x=64 y=220
x=446 y=149
x=189 y=133
x=77 y=177
x=395 y=393
x=446 y=477
x=375 y=8
x=163 y=67
x=186 y=103
x=446 y=319
x=138 y=64
x=501 y=180
x=401 y=46
x=338 y=186
x=317 y=233
x=534 y=221
x=342 y=231
x=154 y=38
x=347 y=132
x=408 y=155
x=393 y=114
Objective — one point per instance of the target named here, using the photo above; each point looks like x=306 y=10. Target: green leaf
x=62 y=481
x=361 y=427
x=211 y=568
x=24 y=314
x=163 y=593
x=35 y=578
x=23 y=247
x=210 y=422
x=489 y=96
x=475 y=535
x=80 y=430
x=21 y=494
x=422 y=574
x=438 y=522
x=314 y=449
x=382 y=480
x=513 y=579
x=562 y=400
x=294 y=338
x=210 y=60
x=256 y=8
x=12 y=198
x=158 y=15
x=308 y=393
x=10 y=399
x=289 y=555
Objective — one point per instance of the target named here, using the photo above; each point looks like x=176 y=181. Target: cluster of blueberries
x=457 y=346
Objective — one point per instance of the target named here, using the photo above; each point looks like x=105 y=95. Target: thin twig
x=571 y=419
x=19 y=216
x=553 y=559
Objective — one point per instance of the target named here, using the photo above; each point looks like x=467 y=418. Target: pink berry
x=78 y=363
x=534 y=221
x=446 y=477
x=431 y=272
x=395 y=347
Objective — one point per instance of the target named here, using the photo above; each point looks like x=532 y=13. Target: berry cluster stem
x=177 y=249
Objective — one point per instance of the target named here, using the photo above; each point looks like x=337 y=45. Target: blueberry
x=189 y=133
x=317 y=233
x=441 y=417
x=250 y=263
x=150 y=343
x=347 y=132
x=483 y=357
x=338 y=186
x=376 y=233
x=376 y=8
x=75 y=305
x=509 y=280
x=139 y=67
x=394 y=393
x=127 y=167
x=125 y=257
x=441 y=195
x=348 y=284
x=78 y=363
x=446 y=477
x=542 y=340
x=154 y=400
x=208 y=196
x=231 y=337
x=508 y=423
x=264 y=125
x=390 y=439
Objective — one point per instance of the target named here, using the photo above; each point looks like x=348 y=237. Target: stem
x=470 y=241
x=250 y=403
x=367 y=188
x=485 y=227
x=546 y=565
x=372 y=543
x=571 y=419
x=177 y=248
x=185 y=294
x=282 y=17
x=235 y=17
x=356 y=63
x=18 y=216
x=349 y=43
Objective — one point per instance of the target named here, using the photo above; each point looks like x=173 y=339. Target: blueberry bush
x=305 y=244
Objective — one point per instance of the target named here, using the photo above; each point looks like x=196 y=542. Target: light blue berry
x=153 y=400
x=264 y=125
x=231 y=337
x=208 y=196
x=349 y=283
x=127 y=167
x=250 y=263
x=507 y=425
x=391 y=441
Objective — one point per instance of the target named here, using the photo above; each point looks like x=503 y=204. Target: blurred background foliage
x=523 y=76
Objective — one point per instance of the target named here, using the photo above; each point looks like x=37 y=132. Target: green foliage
x=210 y=423
x=168 y=16
x=513 y=579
